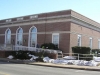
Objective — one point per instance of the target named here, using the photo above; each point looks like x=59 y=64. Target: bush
x=49 y=46
x=81 y=50
x=20 y=54
x=32 y=52
x=24 y=55
x=88 y=57
x=95 y=51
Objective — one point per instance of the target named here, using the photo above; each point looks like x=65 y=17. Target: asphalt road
x=23 y=69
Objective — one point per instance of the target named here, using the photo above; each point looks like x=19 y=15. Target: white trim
x=85 y=24
x=27 y=23
x=40 y=21
x=42 y=18
x=29 y=36
x=94 y=25
x=19 y=18
x=8 y=20
x=33 y=16
x=84 y=18
x=17 y=34
x=51 y=32
x=58 y=37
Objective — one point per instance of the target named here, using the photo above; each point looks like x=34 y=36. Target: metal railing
x=76 y=55
x=1 y=46
x=6 y=46
x=25 y=48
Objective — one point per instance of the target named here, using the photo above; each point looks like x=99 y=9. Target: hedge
x=95 y=50
x=49 y=46
x=81 y=50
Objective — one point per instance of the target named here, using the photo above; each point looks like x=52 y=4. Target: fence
x=6 y=47
x=60 y=54
x=77 y=56
x=25 y=48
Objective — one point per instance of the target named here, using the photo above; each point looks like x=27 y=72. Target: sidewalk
x=91 y=68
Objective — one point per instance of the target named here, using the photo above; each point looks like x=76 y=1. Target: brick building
x=64 y=28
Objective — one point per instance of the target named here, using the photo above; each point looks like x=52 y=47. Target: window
x=55 y=39
x=33 y=37
x=99 y=43
x=20 y=18
x=9 y=20
x=33 y=16
x=8 y=36
x=90 y=42
x=19 y=36
x=79 y=40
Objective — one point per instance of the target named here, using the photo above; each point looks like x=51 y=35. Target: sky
x=17 y=8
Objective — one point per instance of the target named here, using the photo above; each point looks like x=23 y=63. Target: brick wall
x=44 y=33
x=86 y=34
x=42 y=15
x=2 y=54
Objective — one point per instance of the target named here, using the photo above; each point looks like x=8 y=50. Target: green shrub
x=95 y=51
x=41 y=55
x=81 y=50
x=25 y=54
x=20 y=54
x=49 y=46
x=88 y=57
x=32 y=52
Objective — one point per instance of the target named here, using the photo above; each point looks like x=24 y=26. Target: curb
x=16 y=61
x=66 y=67
x=47 y=65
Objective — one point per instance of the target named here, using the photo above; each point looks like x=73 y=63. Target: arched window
x=8 y=36
x=33 y=37
x=19 y=36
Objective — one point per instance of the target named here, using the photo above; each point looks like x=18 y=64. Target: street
x=24 y=69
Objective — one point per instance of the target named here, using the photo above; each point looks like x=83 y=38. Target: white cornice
x=38 y=19
x=84 y=18
x=36 y=22
x=54 y=19
x=85 y=24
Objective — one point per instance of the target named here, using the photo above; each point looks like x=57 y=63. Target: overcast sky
x=16 y=8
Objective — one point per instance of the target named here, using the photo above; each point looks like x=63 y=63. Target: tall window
x=33 y=37
x=90 y=42
x=55 y=39
x=8 y=36
x=19 y=36
x=99 y=43
x=79 y=40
